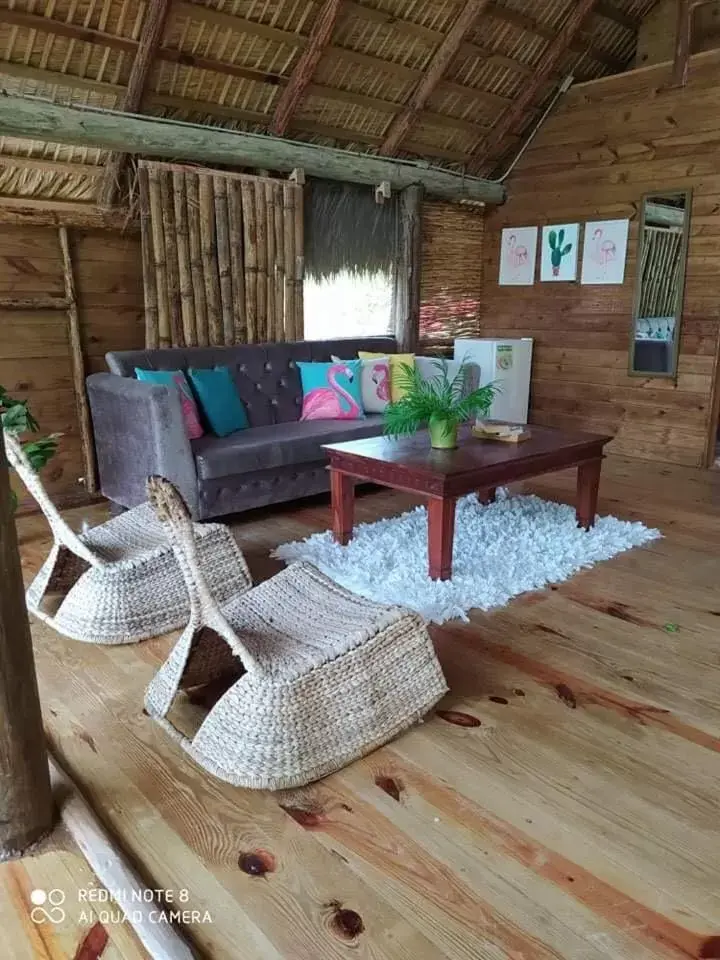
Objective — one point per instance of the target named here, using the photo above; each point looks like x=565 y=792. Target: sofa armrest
x=139 y=430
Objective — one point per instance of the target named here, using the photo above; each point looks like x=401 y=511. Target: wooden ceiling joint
x=444 y=55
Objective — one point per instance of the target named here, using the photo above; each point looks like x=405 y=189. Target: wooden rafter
x=150 y=40
x=510 y=119
x=580 y=45
x=304 y=71
x=444 y=54
x=683 y=40
x=609 y=11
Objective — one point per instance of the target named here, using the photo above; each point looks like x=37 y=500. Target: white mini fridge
x=507 y=363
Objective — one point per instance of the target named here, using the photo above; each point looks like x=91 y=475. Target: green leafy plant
x=16 y=418
x=558 y=251
x=437 y=402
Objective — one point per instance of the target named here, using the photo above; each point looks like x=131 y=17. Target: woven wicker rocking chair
x=325 y=676
x=120 y=582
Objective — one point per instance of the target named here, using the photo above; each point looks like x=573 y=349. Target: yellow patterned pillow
x=396 y=361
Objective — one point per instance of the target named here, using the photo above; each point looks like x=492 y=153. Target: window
x=348 y=305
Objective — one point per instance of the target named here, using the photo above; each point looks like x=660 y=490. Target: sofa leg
x=116 y=509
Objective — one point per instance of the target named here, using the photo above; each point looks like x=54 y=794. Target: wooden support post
x=406 y=291
x=26 y=811
x=683 y=40
x=78 y=365
x=150 y=38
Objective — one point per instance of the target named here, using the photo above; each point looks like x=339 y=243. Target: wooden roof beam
x=304 y=70
x=153 y=27
x=514 y=114
x=609 y=11
x=113 y=130
x=445 y=53
x=578 y=45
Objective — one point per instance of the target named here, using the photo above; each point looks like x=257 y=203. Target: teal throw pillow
x=219 y=400
x=331 y=391
x=176 y=378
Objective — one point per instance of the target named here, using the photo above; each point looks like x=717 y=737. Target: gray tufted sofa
x=139 y=427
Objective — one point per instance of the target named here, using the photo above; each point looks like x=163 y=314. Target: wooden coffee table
x=442 y=476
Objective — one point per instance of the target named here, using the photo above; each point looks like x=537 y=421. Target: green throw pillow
x=219 y=400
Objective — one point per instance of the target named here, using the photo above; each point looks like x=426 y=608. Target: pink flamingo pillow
x=177 y=378
x=374 y=383
x=331 y=391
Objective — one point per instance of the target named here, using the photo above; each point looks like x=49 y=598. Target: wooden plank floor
x=561 y=803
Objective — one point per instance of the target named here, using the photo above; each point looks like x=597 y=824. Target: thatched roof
x=229 y=62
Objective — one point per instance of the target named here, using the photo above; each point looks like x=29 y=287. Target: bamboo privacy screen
x=223 y=257
x=660 y=268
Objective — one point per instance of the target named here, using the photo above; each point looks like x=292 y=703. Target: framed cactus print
x=559 y=256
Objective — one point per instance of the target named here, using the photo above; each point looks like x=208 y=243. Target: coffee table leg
x=342 y=489
x=486 y=494
x=588 y=481
x=441 y=531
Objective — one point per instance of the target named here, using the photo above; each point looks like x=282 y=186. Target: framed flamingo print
x=518 y=248
x=604 y=251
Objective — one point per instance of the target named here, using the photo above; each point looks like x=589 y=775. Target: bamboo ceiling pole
x=77 y=361
x=26 y=809
x=162 y=940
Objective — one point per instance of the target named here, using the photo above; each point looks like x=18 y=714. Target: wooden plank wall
x=611 y=141
x=34 y=347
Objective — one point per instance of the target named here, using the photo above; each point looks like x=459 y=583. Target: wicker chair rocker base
x=276 y=736
x=133 y=599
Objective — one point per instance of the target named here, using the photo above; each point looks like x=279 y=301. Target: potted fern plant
x=436 y=402
x=16 y=418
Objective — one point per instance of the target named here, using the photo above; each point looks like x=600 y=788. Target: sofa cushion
x=279 y=445
x=265 y=374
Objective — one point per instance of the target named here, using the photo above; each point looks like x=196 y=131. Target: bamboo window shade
x=451 y=279
x=222 y=255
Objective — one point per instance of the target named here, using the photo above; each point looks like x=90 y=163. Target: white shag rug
x=516 y=544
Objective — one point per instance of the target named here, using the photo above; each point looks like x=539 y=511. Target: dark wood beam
x=301 y=78
x=150 y=39
x=683 y=41
x=513 y=115
x=151 y=137
x=609 y=11
x=445 y=53
x=26 y=806
x=580 y=45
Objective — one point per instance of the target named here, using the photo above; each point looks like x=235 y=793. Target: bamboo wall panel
x=610 y=142
x=451 y=273
x=35 y=349
x=222 y=257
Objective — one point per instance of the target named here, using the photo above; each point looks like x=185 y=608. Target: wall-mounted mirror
x=660 y=283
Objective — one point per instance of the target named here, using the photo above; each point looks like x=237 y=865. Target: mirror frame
x=671 y=374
